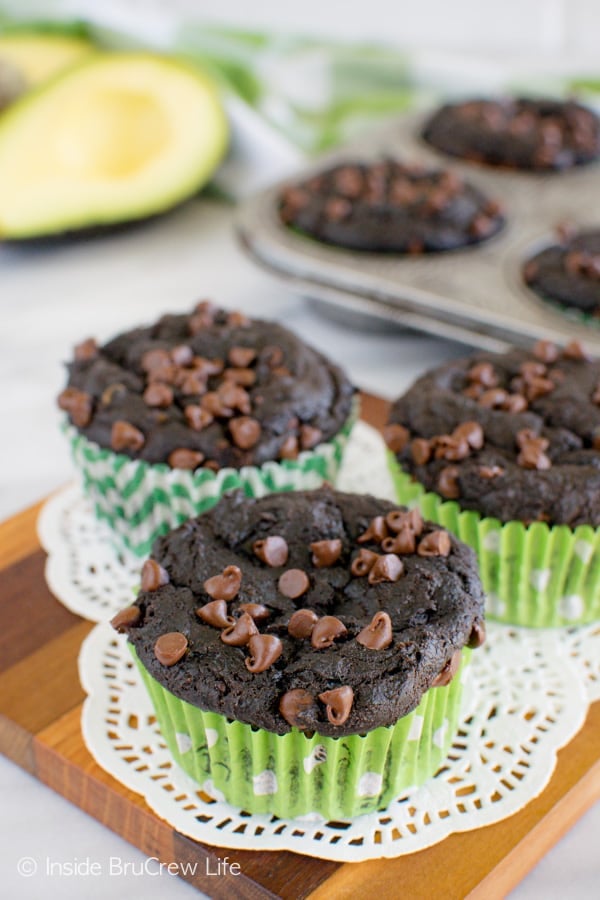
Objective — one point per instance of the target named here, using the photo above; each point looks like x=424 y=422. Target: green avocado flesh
x=120 y=137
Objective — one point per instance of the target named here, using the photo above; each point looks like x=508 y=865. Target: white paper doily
x=526 y=696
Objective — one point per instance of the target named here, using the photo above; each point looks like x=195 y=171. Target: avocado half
x=120 y=137
x=37 y=56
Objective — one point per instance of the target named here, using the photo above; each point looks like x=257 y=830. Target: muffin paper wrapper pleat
x=534 y=575
x=141 y=501
x=294 y=775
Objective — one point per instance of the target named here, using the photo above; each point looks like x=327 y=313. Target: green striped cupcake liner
x=141 y=501
x=294 y=774
x=535 y=575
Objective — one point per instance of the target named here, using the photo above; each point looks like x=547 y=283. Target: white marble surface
x=51 y=297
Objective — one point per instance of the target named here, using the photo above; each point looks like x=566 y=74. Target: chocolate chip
x=238 y=634
x=378 y=634
x=153 y=576
x=363 y=562
x=396 y=437
x=449 y=671
x=447 y=483
x=477 y=636
x=533 y=457
x=575 y=351
x=243 y=377
x=376 y=531
x=325 y=553
x=212 y=403
x=400 y=519
x=531 y=369
x=215 y=614
x=436 y=543
x=86 y=350
x=515 y=403
x=258 y=611
x=233 y=396
x=493 y=398
x=182 y=355
x=309 y=436
x=192 y=383
x=483 y=373
x=245 y=432
x=273 y=550
x=241 y=357
x=451 y=448
x=302 y=623
x=226 y=585
x=298 y=708
x=293 y=583
x=474 y=391
x=338 y=704
x=538 y=387
x=289 y=448
x=205 y=367
x=420 y=449
x=490 y=472
x=197 y=418
x=265 y=649
x=325 y=631
x=388 y=567
x=158 y=394
x=155 y=359
x=337 y=208
x=546 y=351
x=170 y=648
x=404 y=542
x=126 y=618
x=472 y=433
x=183 y=458
x=237 y=319
x=124 y=436
x=78 y=405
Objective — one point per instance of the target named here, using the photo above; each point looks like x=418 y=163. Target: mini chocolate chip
x=204 y=367
x=489 y=472
x=449 y=670
x=199 y=321
x=197 y=418
x=325 y=631
x=575 y=351
x=378 y=634
x=493 y=398
x=238 y=634
x=234 y=397
x=401 y=519
x=420 y=449
x=450 y=448
x=170 y=648
x=212 y=403
x=388 y=567
x=192 y=383
x=158 y=394
x=477 y=636
x=447 y=483
x=237 y=319
x=309 y=436
x=155 y=359
x=483 y=373
x=265 y=649
x=212 y=465
x=474 y=391
x=302 y=622
x=515 y=403
x=545 y=351
x=273 y=550
x=376 y=531
x=183 y=458
x=289 y=448
x=538 y=387
x=182 y=355
x=293 y=583
x=531 y=369
x=124 y=436
x=241 y=357
x=126 y=618
x=294 y=707
x=243 y=377
x=86 y=350
x=436 y=543
x=226 y=585
x=78 y=405
x=403 y=541
x=472 y=433
x=363 y=563
x=533 y=457
x=338 y=704
x=396 y=437
x=215 y=614
x=245 y=432
x=258 y=611
x=153 y=576
x=326 y=553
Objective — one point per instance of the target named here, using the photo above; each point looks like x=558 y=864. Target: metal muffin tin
x=474 y=295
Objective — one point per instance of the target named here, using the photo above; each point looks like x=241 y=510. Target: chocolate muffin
x=308 y=616
x=198 y=404
x=390 y=207
x=517 y=133
x=568 y=272
x=513 y=439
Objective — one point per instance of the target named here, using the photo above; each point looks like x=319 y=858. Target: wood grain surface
x=40 y=709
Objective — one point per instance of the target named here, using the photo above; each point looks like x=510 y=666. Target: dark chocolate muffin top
x=210 y=389
x=518 y=133
x=390 y=207
x=514 y=436
x=568 y=272
x=325 y=611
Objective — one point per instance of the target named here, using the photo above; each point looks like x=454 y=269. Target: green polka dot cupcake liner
x=294 y=774
x=536 y=575
x=140 y=501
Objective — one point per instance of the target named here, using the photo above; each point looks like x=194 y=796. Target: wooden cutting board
x=40 y=709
